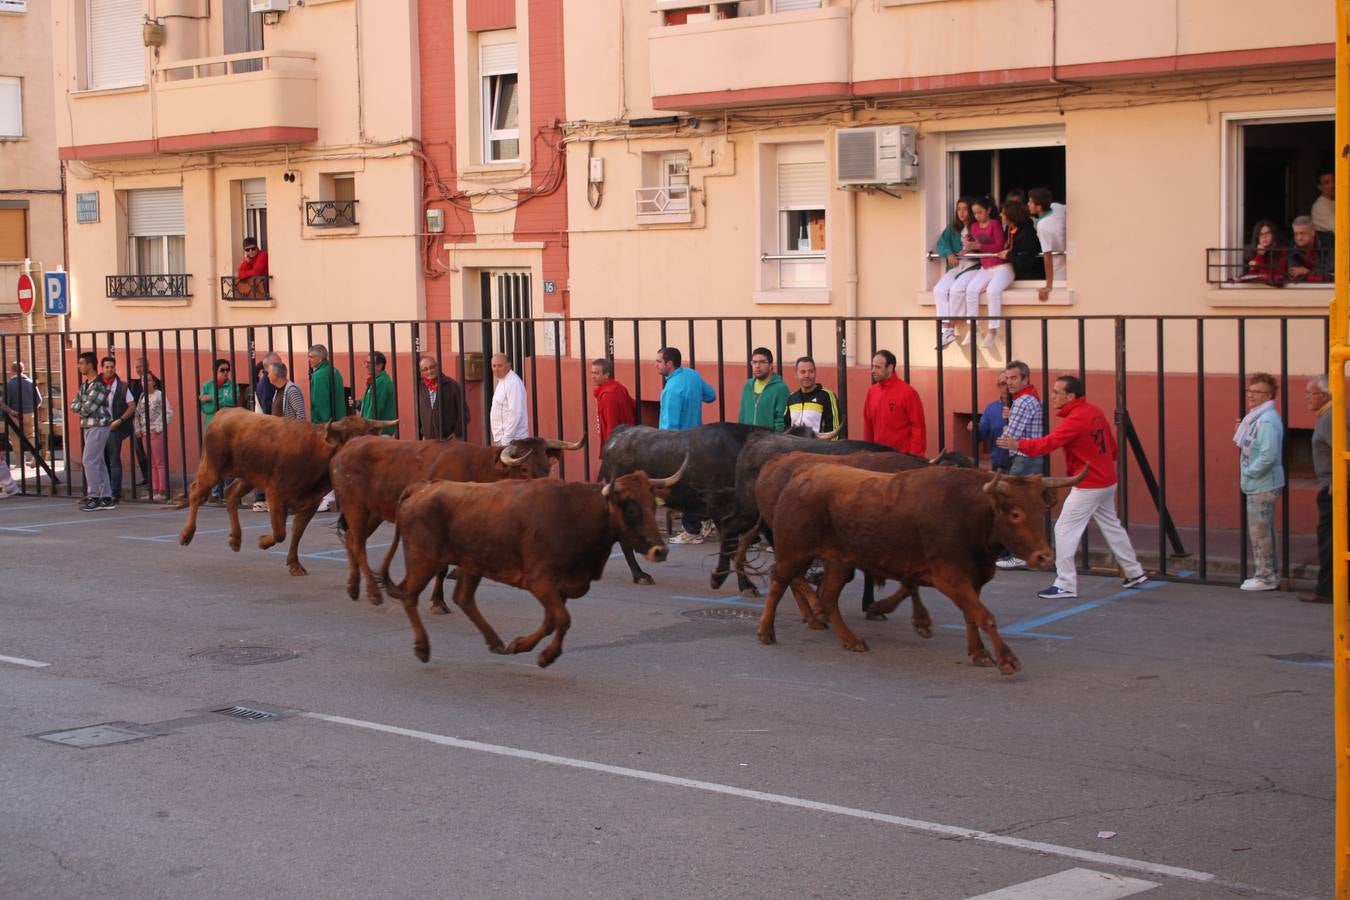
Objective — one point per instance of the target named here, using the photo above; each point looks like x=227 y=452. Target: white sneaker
x=709 y=529
x=1256 y=584
x=947 y=337
x=965 y=341
x=325 y=505
x=1010 y=562
x=685 y=537
x=10 y=489
x=260 y=506
x=990 y=339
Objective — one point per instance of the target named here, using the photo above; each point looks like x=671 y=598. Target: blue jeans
x=1026 y=465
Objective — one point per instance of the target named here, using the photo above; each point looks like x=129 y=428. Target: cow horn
x=935 y=460
x=555 y=444
x=992 y=486
x=1062 y=481
x=830 y=435
x=383 y=423
x=670 y=480
x=609 y=486
x=509 y=459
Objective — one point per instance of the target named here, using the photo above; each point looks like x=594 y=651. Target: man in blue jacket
x=682 y=401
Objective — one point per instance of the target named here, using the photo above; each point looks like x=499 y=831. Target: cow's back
x=373 y=471
x=267 y=450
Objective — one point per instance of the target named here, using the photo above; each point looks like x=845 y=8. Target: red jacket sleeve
x=1070 y=428
x=867 y=417
x=918 y=437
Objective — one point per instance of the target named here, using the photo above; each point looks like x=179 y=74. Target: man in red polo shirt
x=251 y=278
x=893 y=412
x=1086 y=439
x=613 y=403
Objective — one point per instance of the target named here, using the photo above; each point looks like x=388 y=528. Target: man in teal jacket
x=327 y=400
x=378 y=402
x=764 y=398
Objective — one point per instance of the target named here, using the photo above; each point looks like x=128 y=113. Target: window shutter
x=497 y=53
x=801 y=185
x=1006 y=138
x=11 y=107
x=116 y=52
x=255 y=193
x=792 y=5
x=13 y=233
x=154 y=212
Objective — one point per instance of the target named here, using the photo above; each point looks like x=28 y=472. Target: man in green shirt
x=378 y=402
x=327 y=402
x=764 y=399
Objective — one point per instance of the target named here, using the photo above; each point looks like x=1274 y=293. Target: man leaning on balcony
x=1311 y=259
x=251 y=278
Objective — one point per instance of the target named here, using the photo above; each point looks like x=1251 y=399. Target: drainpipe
x=212 y=251
x=850 y=262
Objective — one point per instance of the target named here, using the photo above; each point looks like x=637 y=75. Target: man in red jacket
x=893 y=412
x=251 y=280
x=613 y=403
x=1086 y=439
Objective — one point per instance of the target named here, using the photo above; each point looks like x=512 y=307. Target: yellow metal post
x=1338 y=355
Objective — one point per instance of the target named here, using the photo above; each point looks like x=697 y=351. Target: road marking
x=1072 y=884
x=946 y=831
x=20 y=661
x=720 y=601
x=1026 y=626
x=87 y=518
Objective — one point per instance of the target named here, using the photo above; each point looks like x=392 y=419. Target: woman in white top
x=153 y=413
x=951 y=246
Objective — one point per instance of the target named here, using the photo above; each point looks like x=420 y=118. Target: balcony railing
x=256 y=287
x=132 y=287
x=663 y=204
x=692 y=11
x=330 y=213
x=1276 y=267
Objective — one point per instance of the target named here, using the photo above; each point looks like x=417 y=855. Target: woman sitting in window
x=1267 y=263
x=951 y=244
x=1023 y=249
x=995 y=273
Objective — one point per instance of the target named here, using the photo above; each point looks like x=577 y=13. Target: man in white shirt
x=1324 y=207
x=510 y=408
x=1050 y=229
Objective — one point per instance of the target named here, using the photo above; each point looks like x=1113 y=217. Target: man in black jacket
x=441 y=411
x=121 y=405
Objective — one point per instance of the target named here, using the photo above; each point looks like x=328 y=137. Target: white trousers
x=1098 y=504
x=949 y=290
x=993 y=281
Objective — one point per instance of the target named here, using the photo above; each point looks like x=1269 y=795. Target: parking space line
x=1072 y=884
x=20 y=661
x=945 y=831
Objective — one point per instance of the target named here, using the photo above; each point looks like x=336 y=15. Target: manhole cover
x=97 y=735
x=245 y=656
x=1300 y=657
x=722 y=614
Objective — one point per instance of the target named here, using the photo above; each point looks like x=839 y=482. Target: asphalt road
x=1174 y=742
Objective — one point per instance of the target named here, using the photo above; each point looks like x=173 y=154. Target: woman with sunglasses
x=217 y=394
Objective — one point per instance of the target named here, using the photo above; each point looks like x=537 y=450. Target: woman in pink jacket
x=995 y=274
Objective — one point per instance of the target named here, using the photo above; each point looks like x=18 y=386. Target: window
x=995 y=163
x=13 y=229
x=11 y=107
x=498 y=69
x=155 y=232
x=114 y=51
x=336 y=206
x=1277 y=161
x=664 y=196
x=794 y=246
x=255 y=210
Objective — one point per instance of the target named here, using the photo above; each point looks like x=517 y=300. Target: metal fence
x=1175 y=384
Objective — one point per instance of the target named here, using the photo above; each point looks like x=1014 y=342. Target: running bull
x=491 y=531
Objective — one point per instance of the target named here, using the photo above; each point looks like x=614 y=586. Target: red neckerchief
x=108 y=381
x=370 y=379
x=1029 y=389
x=220 y=382
x=431 y=383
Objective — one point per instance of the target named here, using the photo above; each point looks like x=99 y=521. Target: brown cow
x=492 y=531
x=288 y=458
x=369 y=475
x=936 y=526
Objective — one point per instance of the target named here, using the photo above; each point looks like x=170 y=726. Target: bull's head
x=632 y=510
x=335 y=434
x=1020 y=505
x=533 y=457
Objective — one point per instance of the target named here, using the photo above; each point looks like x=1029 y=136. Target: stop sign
x=25 y=294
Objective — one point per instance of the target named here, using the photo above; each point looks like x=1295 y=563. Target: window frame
x=21 y=206
x=18 y=110
x=1232 y=159
x=774 y=215
x=491 y=96
x=165 y=256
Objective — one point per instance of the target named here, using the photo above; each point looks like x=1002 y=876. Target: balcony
x=330 y=213
x=239 y=100
x=785 y=57
x=139 y=287
x=663 y=205
x=257 y=287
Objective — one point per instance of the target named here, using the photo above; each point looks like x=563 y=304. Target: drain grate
x=245 y=656
x=245 y=712
x=1300 y=657
x=104 y=735
x=722 y=614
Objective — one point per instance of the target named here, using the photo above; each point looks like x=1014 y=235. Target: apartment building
x=187 y=126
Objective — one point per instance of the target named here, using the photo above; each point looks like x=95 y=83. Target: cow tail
x=738 y=562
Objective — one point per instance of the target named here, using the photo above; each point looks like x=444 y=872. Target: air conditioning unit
x=266 y=6
x=876 y=156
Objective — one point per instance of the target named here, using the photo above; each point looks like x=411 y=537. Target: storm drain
x=1300 y=657
x=722 y=614
x=103 y=735
x=246 y=712
x=245 y=656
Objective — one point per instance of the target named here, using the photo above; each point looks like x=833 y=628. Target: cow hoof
x=498 y=648
x=1010 y=664
x=186 y=537
x=767 y=637
x=234 y=544
x=924 y=630
x=296 y=569
x=547 y=659
x=982 y=659
x=375 y=598
x=718 y=579
x=817 y=625
x=266 y=542
x=644 y=578
x=352 y=593
x=422 y=653
x=875 y=616
x=439 y=609
x=858 y=646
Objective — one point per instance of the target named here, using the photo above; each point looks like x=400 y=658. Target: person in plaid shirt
x=1026 y=419
x=91 y=405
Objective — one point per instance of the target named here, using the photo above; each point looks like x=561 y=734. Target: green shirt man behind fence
x=327 y=403
x=378 y=401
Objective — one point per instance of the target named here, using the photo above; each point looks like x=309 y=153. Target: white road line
x=947 y=831
x=20 y=661
x=1073 y=884
x=88 y=518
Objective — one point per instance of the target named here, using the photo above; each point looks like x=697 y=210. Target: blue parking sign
x=55 y=300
